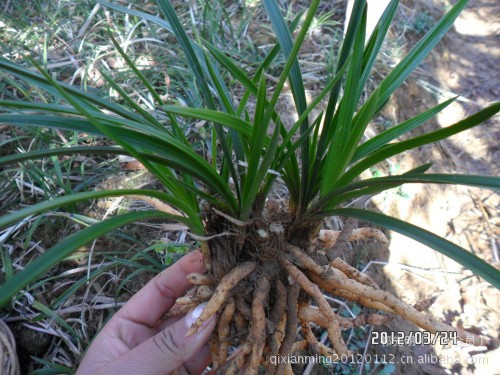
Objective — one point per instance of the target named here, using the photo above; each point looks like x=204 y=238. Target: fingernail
x=194 y=314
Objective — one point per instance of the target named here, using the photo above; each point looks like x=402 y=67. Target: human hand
x=135 y=340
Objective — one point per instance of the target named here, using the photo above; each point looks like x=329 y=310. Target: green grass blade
x=344 y=142
x=283 y=158
x=392 y=81
x=478 y=266
x=230 y=121
x=396 y=148
x=487 y=182
x=235 y=138
x=64 y=248
x=291 y=59
x=295 y=77
x=39 y=154
x=376 y=185
x=57 y=319
x=347 y=45
x=41 y=81
x=375 y=43
x=191 y=220
x=50 y=109
x=195 y=58
x=174 y=26
x=149 y=118
x=418 y=53
x=388 y=135
x=257 y=146
x=136 y=71
x=167 y=151
x=257 y=183
x=286 y=43
x=159 y=171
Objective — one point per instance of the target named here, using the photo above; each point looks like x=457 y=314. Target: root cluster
x=260 y=304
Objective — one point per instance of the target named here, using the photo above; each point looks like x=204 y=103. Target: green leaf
x=191 y=220
x=376 y=185
x=478 y=266
x=136 y=71
x=231 y=121
x=287 y=72
x=344 y=141
x=38 y=80
x=418 y=53
x=388 y=135
x=488 y=182
x=393 y=149
x=38 y=154
x=375 y=42
x=295 y=77
x=347 y=46
x=64 y=248
x=166 y=150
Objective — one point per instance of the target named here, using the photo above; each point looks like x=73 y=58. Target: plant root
x=353 y=273
x=338 y=279
x=257 y=329
x=243 y=307
x=214 y=350
x=238 y=361
x=307 y=331
x=287 y=291
x=179 y=309
x=312 y=314
x=290 y=328
x=227 y=283
x=223 y=331
x=367 y=302
x=314 y=291
x=276 y=339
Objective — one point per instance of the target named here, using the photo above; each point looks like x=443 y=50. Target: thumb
x=167 y=350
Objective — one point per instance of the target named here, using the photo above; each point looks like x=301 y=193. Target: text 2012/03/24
x=400 y=338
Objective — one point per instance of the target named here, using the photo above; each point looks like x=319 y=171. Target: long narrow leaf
x=478 y=266
x=347 y=45
x=171 y=152
x=388 y=135
x=40 y=81
x=344 y=142
x=379 y=184
x=418 y=53
x=396 y=148
x=191 y=220
x=64 y=248
x=296 y=81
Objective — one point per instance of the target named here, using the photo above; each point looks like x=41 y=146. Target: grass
x=169 y=80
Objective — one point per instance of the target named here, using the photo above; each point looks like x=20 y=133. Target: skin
x=137 y=341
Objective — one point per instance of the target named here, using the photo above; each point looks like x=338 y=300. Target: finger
x=158 y=296
x=167 y=322
x=199 y=362
x=166 y=351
